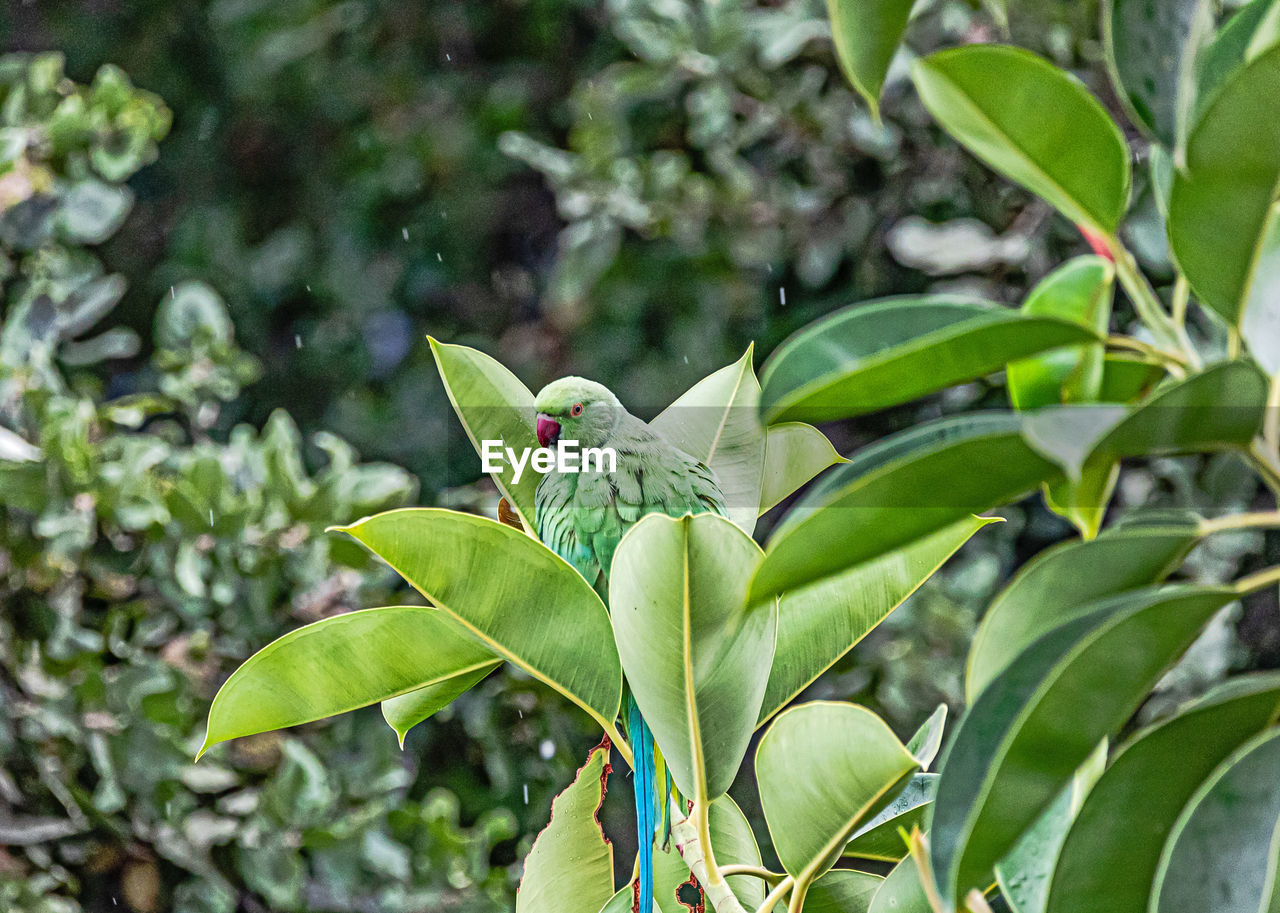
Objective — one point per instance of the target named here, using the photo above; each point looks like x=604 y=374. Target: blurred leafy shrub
x=336 y=170
x=143 y=553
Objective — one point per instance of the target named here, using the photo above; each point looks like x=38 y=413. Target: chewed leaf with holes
x=570 y=868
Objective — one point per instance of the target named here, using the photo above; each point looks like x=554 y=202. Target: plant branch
x=685 y=836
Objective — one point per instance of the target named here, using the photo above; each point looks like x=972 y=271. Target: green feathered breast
x=583 y=516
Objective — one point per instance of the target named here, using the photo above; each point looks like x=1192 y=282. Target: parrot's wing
x=556 y=524
x=582 y=517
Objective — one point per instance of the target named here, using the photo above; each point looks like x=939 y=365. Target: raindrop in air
x=547 y=749
x=526 y=794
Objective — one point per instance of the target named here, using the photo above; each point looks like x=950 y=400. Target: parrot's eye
x=576 y=410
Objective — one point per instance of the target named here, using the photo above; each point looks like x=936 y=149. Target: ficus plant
x=1045 y=797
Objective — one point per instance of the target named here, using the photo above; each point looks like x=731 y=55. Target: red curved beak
x=548 y=431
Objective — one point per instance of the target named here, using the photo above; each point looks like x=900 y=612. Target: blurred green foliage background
x=217 y=295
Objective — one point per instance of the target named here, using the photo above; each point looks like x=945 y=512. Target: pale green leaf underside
x=339 y=664
x=522 y=614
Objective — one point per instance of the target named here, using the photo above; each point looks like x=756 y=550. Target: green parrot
x=581 y=516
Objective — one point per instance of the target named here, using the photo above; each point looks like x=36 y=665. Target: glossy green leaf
x=881 y=837
x=927 y=740
x=842 y=891
x=902 y=891
x=1130 y=812
x=522 y=613
x=993 y=100
x=824 y=768
x=821 y=623
x=1218 y=409
x=1029 y=730
x=1084 y=501
x=622 y=902
x=877 y=354
x=404 y=712
x=718 y=422
x=341 y=663
x=794 y=453
x=1062 y=582
x=1225 y=847
x=1127 y=378
x=1250 y=31
x=866 y=35
x=1150 y=51
x=1078 y=291
x=1220 y=208
x=693 y=651
x=570 y=867
x=734 y=844
x=1024 y=874
x=897 y=491
x=492 y=404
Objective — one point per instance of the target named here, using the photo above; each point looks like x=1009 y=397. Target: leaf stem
x=918 y=846
x=798 y=894
x=624 y=749
x=1262 y=519
x=754 y=871
x=976 y=902
x=1145 y=301
x=1173 y=361
x=1181 y=295
x=779 y=891
x=702 y=819
x=1252 y=583
x=1265 y=465
x=1271 y=421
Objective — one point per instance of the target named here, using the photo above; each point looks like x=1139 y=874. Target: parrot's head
x=576 y=409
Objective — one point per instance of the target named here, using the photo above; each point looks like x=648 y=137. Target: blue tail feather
x=645 y=785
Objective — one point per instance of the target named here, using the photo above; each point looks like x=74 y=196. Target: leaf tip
x=350 y=529
x=208 y=743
